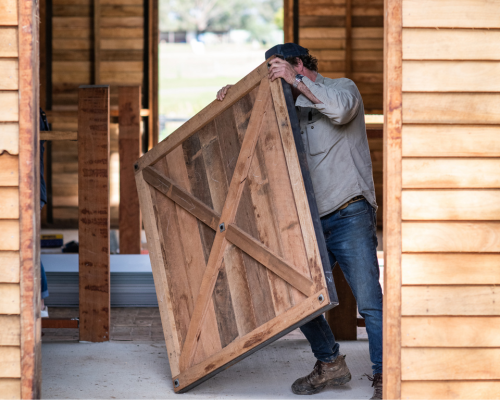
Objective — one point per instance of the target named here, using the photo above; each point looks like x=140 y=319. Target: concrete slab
x=126 y=370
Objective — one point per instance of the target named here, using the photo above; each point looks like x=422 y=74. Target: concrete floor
x=125 y=370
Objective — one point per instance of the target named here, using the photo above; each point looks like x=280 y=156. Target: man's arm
x=282 y=69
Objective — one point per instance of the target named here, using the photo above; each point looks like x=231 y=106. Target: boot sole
x=334 y=382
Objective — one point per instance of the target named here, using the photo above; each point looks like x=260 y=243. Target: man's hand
x=281 y=69
x=222 y=93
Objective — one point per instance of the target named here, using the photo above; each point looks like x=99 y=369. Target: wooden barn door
x=232 y=231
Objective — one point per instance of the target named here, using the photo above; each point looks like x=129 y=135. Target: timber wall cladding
x=78 y=27
x=10 y=307
x=450 y=199
x=232 y=241
x=347 y=38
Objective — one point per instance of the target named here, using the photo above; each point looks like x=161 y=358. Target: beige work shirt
x=334 y=136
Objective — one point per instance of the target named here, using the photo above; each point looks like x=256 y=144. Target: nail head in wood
x=176 y=383
x=222 y=227
x=321 y=298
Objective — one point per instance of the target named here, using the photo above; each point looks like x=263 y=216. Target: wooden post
x=93 y=212
x=343 y=319
x=129 y=100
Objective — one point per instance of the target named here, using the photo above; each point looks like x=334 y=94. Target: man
x=331 y=116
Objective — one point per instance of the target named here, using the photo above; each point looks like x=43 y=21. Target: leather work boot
x=334 y=373
x=377 y=385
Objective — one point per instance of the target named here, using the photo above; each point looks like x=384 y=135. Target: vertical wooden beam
x=288 y=20
x=153 y=42
x=343 y=319
x=348 y=38
x=97 y=42
x=29 y=200
x=129 y=139
x=93 y=212
x=393 y=57
x=43 y=54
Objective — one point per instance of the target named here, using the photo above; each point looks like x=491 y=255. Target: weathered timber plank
x=10 y=362
x=9 y=106
x=451 y=76
x=242 y=88
x=9 y=74
x=248 y=342
x=9 y=260
x=393 y=103
x=451 y=108
x=228 y=214
x=59 y=135
x=8 y=42
x=9 y=203
x=10 y=302
x=156 y=256
x=452 y=389
x=94 y=213
x=10 y=388
x=451 y=141
x=451 y=44
x=270 y=260
x=8 y=12
x=451 y=173
x=195 y=257
x=451 y=14
x=10 y=334
x=482 y=237
x=450 y=269
x=450 y=331
x=199 y=186
x=9 y=234
x=442 y=300
x=181 y=197
x=9 y=170
x=129 y=142
x=483 y=364
x=9 y=139
x=233 y=260
x=451 y=205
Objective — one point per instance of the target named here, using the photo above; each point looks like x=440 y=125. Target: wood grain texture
x=159 y=273
x=8 y=42
x=481 y=237
x=451 y=44
x=451 y=205
x=451 y=108
x=9 y=73
x=9 y=170
x=10 y=388
x=451 y=76
x=9 y=203
x=393 y=104
x=451 y=173
x=242 y=88
x=450 y=389
x=451 y=141
x=129 y=120
x=9 y=106
x=9 y=234
x=9 y=13
x=10 y=362
x=450 y=331
x=451 y=14
x=441 y=364
x=247 y=342
x=94 y=213
x=10 y=298
x=59 y=135
x=9 y=139
x=442 y=300
x=450 y=269
x=10 y=334
x=9 y=271
x=270 y=260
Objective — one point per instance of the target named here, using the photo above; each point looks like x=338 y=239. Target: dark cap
x=287 y=50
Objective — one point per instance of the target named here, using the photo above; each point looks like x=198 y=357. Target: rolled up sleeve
x=339 y=105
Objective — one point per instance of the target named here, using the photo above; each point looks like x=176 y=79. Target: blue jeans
x=351 y=240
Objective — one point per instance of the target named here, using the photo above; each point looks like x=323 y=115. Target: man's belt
x=353 y=200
